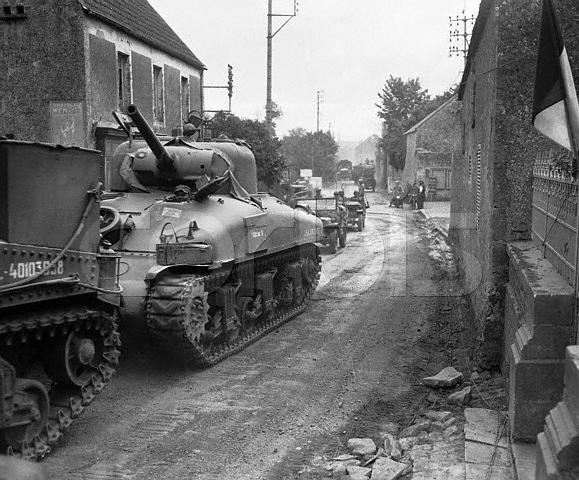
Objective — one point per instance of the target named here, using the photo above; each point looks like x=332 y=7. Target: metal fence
x=555 y=211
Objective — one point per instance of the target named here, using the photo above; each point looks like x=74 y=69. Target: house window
x=124 y=79
x=185 y=98
x=158 y=95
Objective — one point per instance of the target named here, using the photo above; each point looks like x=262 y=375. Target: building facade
x=517 y=281
x=67 y=64
x=431 y=145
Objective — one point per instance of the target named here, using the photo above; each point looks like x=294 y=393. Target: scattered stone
x=379 y=453
x=414 y=430
x=462 y=397
x=450 y=431
x=438 y=427
x=390 y=427
x=387 y=469
x=437 y=416
x=449 y=422
x=447 y=377
x=357 y=476
x=353 y=470
x=361 y=446
x=433 y=398
x=475 y=376
x=339 y=468
x=344 y=457
x=407 y=443
x=392 y=447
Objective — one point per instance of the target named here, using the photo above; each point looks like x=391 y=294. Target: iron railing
x=554 y=211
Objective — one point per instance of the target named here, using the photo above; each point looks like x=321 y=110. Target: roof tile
x=140 y=19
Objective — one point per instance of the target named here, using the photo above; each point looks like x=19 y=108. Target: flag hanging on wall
x=555 y=106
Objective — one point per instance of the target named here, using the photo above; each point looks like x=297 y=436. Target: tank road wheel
x=34 y=399
x=77 y=357
x=332 y=241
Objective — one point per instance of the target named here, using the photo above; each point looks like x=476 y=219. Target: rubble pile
x=392 y=457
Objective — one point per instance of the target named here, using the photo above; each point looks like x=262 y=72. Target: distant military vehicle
x=334 y=217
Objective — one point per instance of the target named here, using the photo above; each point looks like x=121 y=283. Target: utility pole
x=460 y=33
x=270 y=35
x=318 y=111
x=228 y=87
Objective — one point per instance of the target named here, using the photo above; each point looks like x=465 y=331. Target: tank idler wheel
x=76 y=359
x=35 y=394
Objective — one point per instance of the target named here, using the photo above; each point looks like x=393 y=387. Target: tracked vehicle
x=59 y=345
x=212 y=264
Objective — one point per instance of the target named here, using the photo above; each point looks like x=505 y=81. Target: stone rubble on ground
x=354 y=470
x=361 y=446
x=416 y=429
x=397 y=458
x=447 y=377
x=391 y=447
x=436 y=416
x=462 y=397
x=387 y=469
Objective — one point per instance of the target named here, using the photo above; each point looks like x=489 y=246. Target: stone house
x=508 y=195
x=365 y=151
x=431 y=145
x=67 y=64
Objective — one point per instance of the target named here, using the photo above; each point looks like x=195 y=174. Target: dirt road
x=273 y=410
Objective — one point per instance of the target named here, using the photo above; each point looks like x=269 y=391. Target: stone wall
x=42 y=61
x=473 y=203
x=538 y=327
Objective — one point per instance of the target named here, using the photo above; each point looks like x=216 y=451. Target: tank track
x=67 y=401
x=167 y=301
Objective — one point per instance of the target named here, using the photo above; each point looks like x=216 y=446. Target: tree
x=303 y=149
x=266 y=147
x=401 y=105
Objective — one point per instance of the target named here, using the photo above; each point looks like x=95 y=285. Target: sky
x=344 y=49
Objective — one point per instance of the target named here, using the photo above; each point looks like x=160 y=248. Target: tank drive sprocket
x=183 y=312
x=77 y=348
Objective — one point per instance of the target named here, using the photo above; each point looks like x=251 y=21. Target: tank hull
x=59 y=345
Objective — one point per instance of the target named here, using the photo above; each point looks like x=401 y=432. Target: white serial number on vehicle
x=22 y=270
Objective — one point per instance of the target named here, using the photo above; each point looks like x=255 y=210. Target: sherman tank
x=59 y=295
x=211 y=264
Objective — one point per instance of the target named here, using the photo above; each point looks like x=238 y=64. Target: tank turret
x=162 y=161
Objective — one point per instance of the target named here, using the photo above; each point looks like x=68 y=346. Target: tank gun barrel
x=164 y=160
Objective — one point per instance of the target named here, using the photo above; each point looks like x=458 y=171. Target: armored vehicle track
x=70 y=351
x=186 y=315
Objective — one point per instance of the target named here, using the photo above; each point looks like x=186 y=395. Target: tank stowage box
x=39 y=199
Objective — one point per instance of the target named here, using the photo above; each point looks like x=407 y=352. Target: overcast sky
x=345 y=49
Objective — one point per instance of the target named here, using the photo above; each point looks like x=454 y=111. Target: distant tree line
x=278 y=158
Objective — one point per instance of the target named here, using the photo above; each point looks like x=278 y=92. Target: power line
x=460 y=32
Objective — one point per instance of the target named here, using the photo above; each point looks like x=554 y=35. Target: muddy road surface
x=272 y=410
